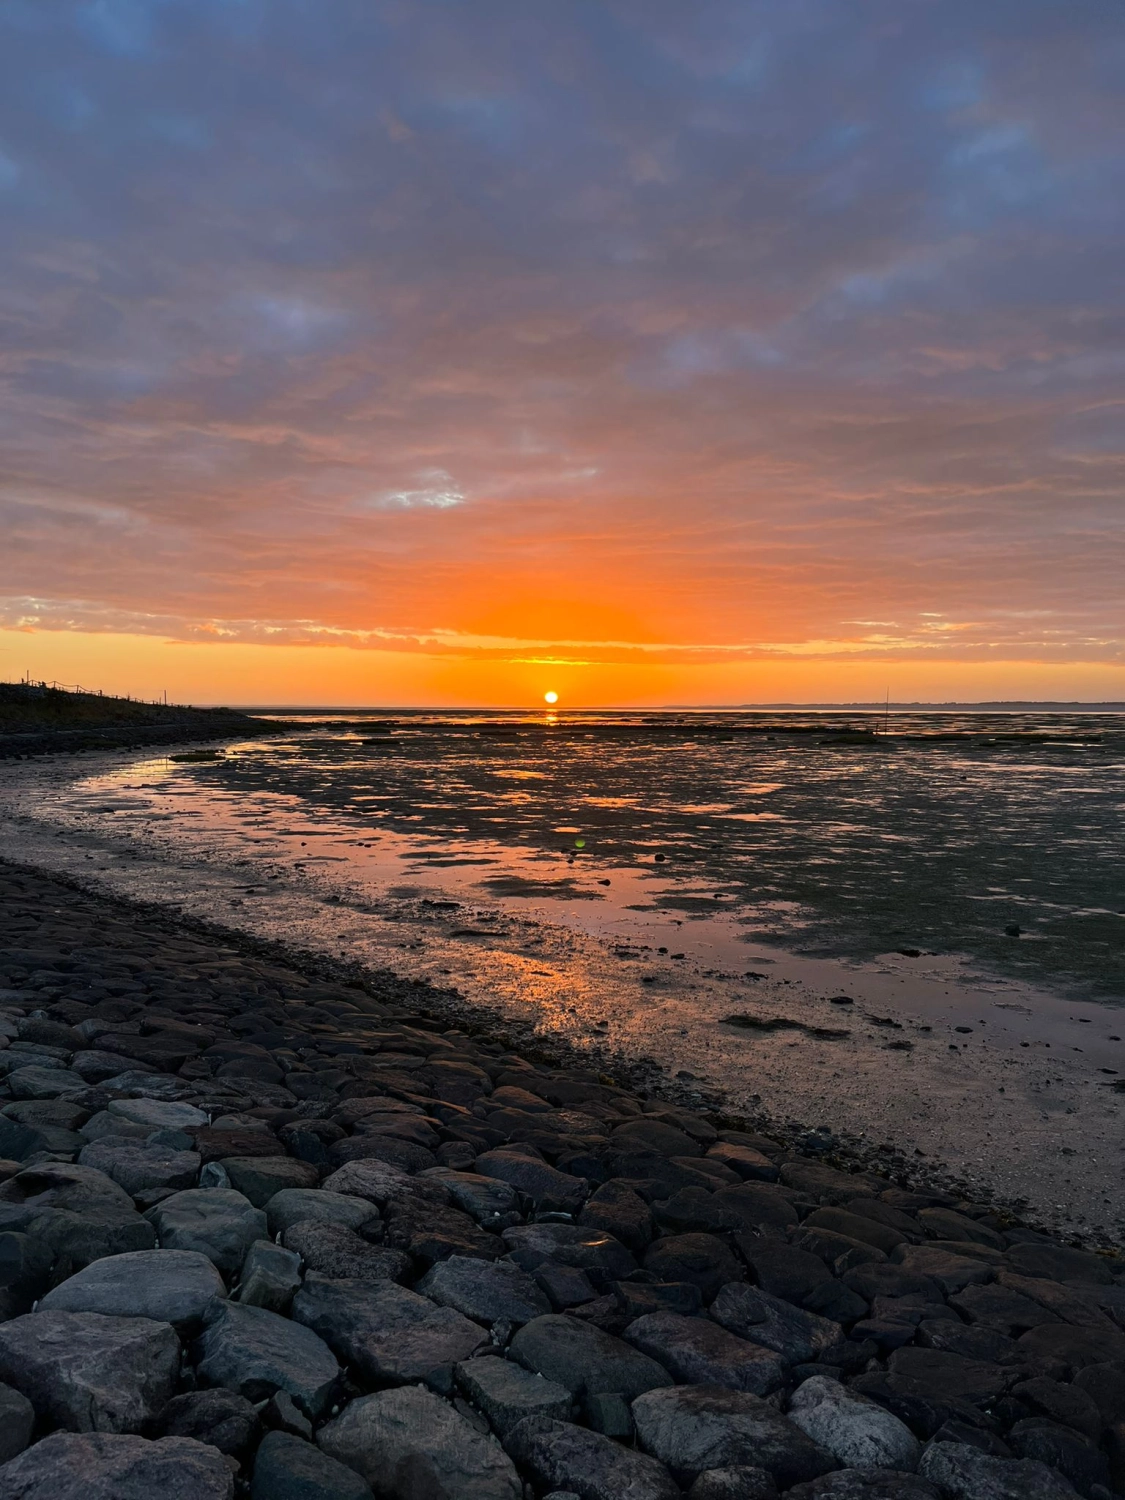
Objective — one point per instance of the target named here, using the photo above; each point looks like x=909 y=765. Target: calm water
x=810 y=830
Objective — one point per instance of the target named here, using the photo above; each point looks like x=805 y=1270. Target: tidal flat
x=909 y=939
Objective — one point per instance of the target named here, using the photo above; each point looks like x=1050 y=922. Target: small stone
x=218 y=1222
x=288 y=1468
x=507 y=1393
x=110 y=1466
x=559 y=1454
x=585 y=1359
x=270 y=1276
x=255 y=1352
x=17 y=1419
x=390 y=1335
x=699 y=1352
x=410 y=1444
x=169 y=1286
x=484 y=1291
x=858 y=1432
x=91 y=1373
x=223 y=1419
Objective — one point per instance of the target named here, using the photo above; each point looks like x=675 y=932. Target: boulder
x=106 y=1466
x=218 y=1222
x=484 y=1291
x=255 y=1352
x=91 y=1373
x=169 y=1286
x=700 y=1352
x=692 y=1428
x=545 y=1186
x=410 y=1444
x=381 y=1183
x=17 y=1419
x=1059 y=1263
x=260 y=1178
x=826 y=1184
x=935 y=1375
x=270 y=1276
x=702 y=1259
x=737 y=1483
x=865 y=1484
x=619 y=1211
x=338 y=1252
x=431 y=1232
x=77 y=1213
x=224 y=1419
x=158 y=1114
x=571 y=1245
x=796 y=1335
x=584 y=1359
x=952 y=1273
x=964 y=1473
x=390 y=1335
x=856 y=1431
x=296 y=1205
x=288 y=1468
x=141 y=1166
x=576 y=1461
x=487 y=1199
x=507 y=1393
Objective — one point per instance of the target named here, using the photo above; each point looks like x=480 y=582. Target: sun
x=551 y=697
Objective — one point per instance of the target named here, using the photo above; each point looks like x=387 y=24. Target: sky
x=452 y=351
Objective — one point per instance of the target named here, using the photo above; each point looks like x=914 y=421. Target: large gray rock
x=256 y=1352
x=487 y=1199
x=222 y=1418
x=141 y=1166
x=953 y=1273
x=692 y=1428
x=964 y=1473
x=40 y=1082
x=340 y=1253
x=17 y=1419
x=295 y=1205
x=571 y=1245
x=699 y=1352
x=381 y=1183
x=76 y=1212
x=390 y=1335
x=857 y=1431
x=545 y=1186
x=104 y=1466
x=744 y=1482
x=411 y=1445
x=170 y=1286
x=261 y=1178
x=484 y=1291
x=565 y=1457
x=797 y=1335
x=584 y=1359
x=507 y=1393
x=864 y=1484
x=270 y=1276
x=91 y=1373
x=158 y=1114
x=288 y=1468
x=218 y=1222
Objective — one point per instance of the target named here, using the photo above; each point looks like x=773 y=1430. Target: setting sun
x=551 y=697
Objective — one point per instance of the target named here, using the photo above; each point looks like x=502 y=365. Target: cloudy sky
x=459 y=348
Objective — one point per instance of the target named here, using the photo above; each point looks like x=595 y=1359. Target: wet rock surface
x=266 y=1234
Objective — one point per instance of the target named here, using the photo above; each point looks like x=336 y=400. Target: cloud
x=639 y=327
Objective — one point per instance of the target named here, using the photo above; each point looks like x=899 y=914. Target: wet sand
x=1020 y=1099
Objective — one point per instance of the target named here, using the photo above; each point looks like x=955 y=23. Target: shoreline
x=326 y=1204
x=990 y=1113
x=644 y=1076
